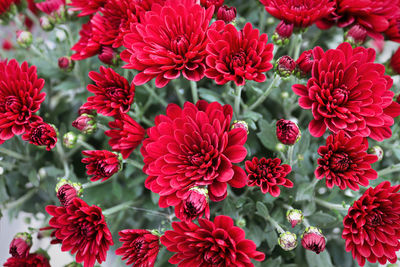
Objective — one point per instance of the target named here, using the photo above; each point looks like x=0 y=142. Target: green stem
x=193 y=88
x=134 y=163
x=275 y=224
x=63 y=158
x=330 y=205
x=93 y=184
x=32 y=16
x=165 y=215
x=122 y=206
x=290 y=155
x=266 y=93
x=102 y=127
x=21 y=200
x=306 y=222
x=238 y=98
x=86 y=145
x=153 y=94
x=179 y=95
x=263 y=18
x=390 y=169
x=297 y=40
x=11 y=153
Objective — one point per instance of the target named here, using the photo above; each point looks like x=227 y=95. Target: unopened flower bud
x=287 y=132
x=294 y=216
x=304 y=63
x=287 y=241
x=227 y=14
x=241 y=223
x=20 y=245
x=398 y=99
x=66 y=63
x=24 y=38
x=356 y=36
x=285 y=66
x=282 y=33
x=280 y=147
x=67 y=191
x=240 y=124
x=70 y=139
x=85 y=123
x=7 y=45
x=195 y=204
x=313 y=239
x=83 y=110
x=46 y=24
x=285 y=95
x=108 y=56
x=377 y=151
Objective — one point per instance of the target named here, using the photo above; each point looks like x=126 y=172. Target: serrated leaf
x=318 y=260
x=262 y=210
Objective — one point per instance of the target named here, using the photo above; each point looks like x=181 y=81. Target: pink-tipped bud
x=194 y=205
x=304 y=63
x=20 y=245
x=282 y=33
x=67 y=191
x=108 y=56
x=65 y=63
x=287 y=241
x=24 y=38
x=240 y=124
x=85 y=123
x=377 y=151
x=227 y=14
x=287 y=132
x=356 y=35
x=313 y=239
x=294 y=217
x=285 y=66
x=46 y=24
x=83 y=110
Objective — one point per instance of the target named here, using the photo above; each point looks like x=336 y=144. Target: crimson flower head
x=287 y=132
x=101 y=164
x=20 y=245
x=67 y=191
x=162 y=47
x=108 y=55
x=41 y=134
x=209 y=3
x=32 y=260
x=395 y=61
x=268 y=174
x=237 y=55
x=344 y=162
x=50 y=6
x=193 y=146
x=211 y=243
x=87 y=7
x=194 y=204
x=139 y=247
x=301 y=14
x=282 y=33
x=313 y=239
x=285 y=66
x=20 y=98
x=85 y=123
x=304 y=63
x=81 y=229
x=371 y=226
x=358 y=100
x=227 y=14
x=113 y=94
x=89 y=43
x=126 y=134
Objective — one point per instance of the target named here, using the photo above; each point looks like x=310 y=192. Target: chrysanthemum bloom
x=393 y=31
x=20 y=245
x=162 y=47
x=126 y=134
x=50 y=6
x=102 y=164
x=194 y=204
x=87 y=7
x=193 y=146
x=356 y=35
x=89 y=43
x=304 y=63
x=5 y=6
x=209 y=3
x=85 y=123
x=237 y=55
x=282 y=33
x=32 y=260
x=113 y=94
x=301 y=14
x=67 y=191
x=395 y=61
x=20 y=98
x=217 y=243
x=226 y=13
x=345 y=163
x=140 y=247
x=268 y=174
x=108 y=55
x=287 y=132
x=313 y=239
x=373 y=15
x=285 y=66
x=82 y=229
x=371 y=227
x=41 y=134
x=348 y=92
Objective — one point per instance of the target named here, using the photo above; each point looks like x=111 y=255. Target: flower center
x=13 y=251
x=37 y=134
x=114 y=91
x=374 y=219
x=238 y=60
x=213 y=258
x=339 y=162
x=340 y=95
x=180 y=45
x=315 y=247
x=12 y=104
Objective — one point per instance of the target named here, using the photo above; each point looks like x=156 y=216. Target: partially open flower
x=287 y=132
x=41 y=134
x=304 y=63
x=67 y=191
x=101 y=164
x=287 y=241
x=240 y=124
x=285 y=66
x=227 y=14
x=24 y=38
x=313 y=239
x=194 y=204
x=20 y=245
x=66 y=63
x=377 y=151
x=294 y=216
x=282 y=34
x=356 y=35
x=85 y=123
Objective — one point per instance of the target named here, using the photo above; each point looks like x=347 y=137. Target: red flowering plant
x=272 y=142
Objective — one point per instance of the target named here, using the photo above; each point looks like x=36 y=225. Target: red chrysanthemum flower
x=41 y=134
x=5 y=6
x=237 y=55
x=20 y=98
x=287 y=132
x=268 y=174
x=217 y=243
x=89 y=43
x=66 y=194
x=32 y=260
x=87 y=7
x=344 y=162
x=170 y=38
x=50 y=6
x=20 y=245
x=126 y=135
x=372 y=225
x=194 y=204
x=301 y=14
x=393 y=31
x=193 y=146
x=313 y=239
x=395 y=61
x=140 y=247
x=113 y=94
x=373 y=15
x=82 y=229
x=347 y=91
x=102 y=164
x=209 y=3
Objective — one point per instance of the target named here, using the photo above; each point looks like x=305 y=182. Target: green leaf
x=209 y=95
x=262 y=210
x=318 y=260
x=267 y=136
x=256 y=234
x=271 y=237
x=304 y=192
x=273 y=262
x=321 y=219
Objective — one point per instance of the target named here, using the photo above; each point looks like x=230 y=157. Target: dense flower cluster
x=371 y=227
x=358 y=101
